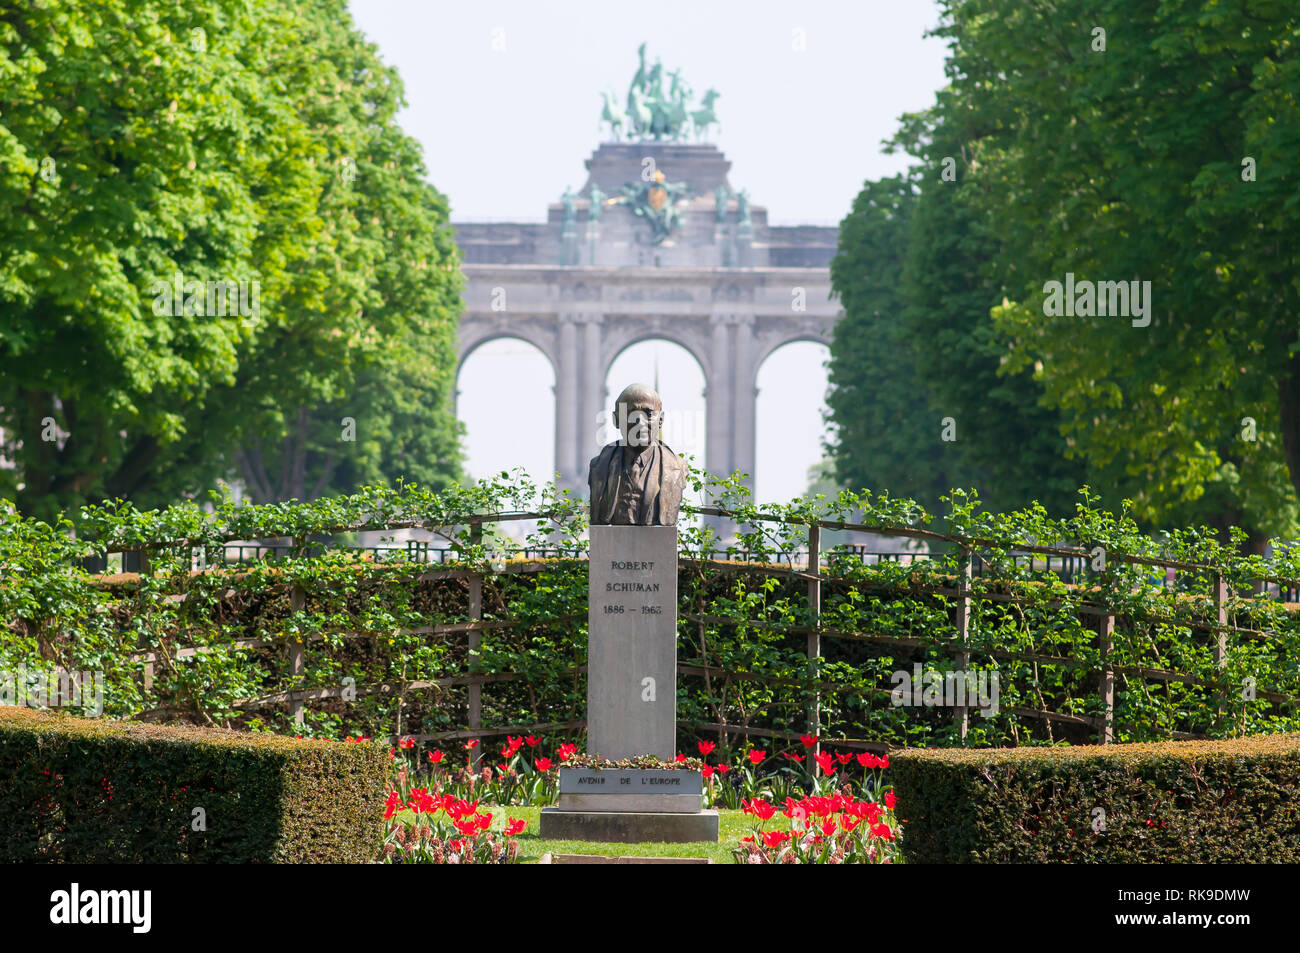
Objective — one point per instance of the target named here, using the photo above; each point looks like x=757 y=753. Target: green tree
x=887 y=435
x=1123 y=157
x=821 y=479
x=383 y=354
x=916 y=392
x=1007 y=445
x=221 y=141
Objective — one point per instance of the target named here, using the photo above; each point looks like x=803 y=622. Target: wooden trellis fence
x=960 y=592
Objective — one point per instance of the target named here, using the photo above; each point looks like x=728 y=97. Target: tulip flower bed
x=433 y=813
x=443 y=829
x=844 y=820
x=835 y=829
x=836 y=807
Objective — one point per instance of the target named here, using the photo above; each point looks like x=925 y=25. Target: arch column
x=744 y=399
x=718 y=392
x=566 y=400
x=591 y=401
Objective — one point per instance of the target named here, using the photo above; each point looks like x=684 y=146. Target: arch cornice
x=541 y=331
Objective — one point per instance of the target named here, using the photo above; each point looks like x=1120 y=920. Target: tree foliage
x=1122 y=158
x=887 y=431
x=1116 y=141
x=220 y=141
x=916 y=390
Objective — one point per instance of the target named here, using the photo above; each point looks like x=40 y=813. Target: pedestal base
x=629 y=827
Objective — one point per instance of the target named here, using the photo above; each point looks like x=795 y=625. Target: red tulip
x=422 y=802
x=567 y=751
x=890 y=800
x=844 y=757
x=869 y=811
x=471 y=744
x=794 y=810
x=515 y=826
x=826 y=762
x=542 y=764
x=817 y=805
x=809 y=741
x=406 y=743
x=707 y=771
x=532 y=743
x=867 y=759
x=435 y=757
x=466 y=826
x=724 y=768
x=459 y=809
x=775 y=839
x=706 y=748
x=484 y=821
x=882 y=762
x=828 y=826
x=679 y=758
x=756 y=756
x=393 y=806
x=759 y=808
x=797 y=758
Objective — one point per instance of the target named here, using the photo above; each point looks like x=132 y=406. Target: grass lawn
x=732 y=826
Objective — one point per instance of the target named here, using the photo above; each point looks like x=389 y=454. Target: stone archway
x=681 y=381
x=591 y=279
x=790 y=396
x=492 y=384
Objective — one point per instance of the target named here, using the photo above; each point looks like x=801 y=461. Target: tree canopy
x=1122 y=141
x=221 y=144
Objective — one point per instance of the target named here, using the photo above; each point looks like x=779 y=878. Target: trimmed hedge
x=1222 y=801
x=97 y=791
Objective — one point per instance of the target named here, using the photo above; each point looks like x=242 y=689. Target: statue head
x=638 y=413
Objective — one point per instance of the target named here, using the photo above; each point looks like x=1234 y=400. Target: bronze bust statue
x=636 y=480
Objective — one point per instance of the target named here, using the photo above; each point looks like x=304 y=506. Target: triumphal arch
x=658 y=243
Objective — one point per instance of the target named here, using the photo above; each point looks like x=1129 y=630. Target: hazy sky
x=504 y=97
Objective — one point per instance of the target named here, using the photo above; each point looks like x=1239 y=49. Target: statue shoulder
x=671 y=459
x=605 y=454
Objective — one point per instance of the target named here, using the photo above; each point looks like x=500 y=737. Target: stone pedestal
x=632 y=642
x=631 y=701
x=627 y=827
x=630 y=807
x=615 y=163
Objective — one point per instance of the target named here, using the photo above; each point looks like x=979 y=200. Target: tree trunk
x=1288 y=394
